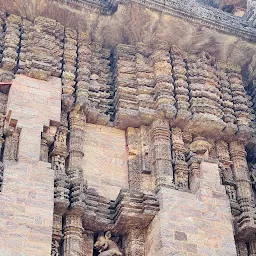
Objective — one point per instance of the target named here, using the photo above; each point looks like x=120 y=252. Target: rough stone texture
x=181 y=117
x=105 y=160
x=27 y=195
x=193 y=224
x=133 y=23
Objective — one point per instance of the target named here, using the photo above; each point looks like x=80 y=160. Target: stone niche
x=105 y=160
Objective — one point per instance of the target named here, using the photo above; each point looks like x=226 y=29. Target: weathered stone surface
x=27 y=192
x=105 y=160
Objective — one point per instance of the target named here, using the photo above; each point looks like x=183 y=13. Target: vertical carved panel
x=139 y=162
x=225 y=169
x=179 y=160
x=240 y=168
x=161 y=153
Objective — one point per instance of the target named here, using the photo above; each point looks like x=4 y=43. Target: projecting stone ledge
x=130 y=210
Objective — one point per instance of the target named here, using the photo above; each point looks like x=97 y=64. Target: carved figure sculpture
x=231 y=192
x=106 y=246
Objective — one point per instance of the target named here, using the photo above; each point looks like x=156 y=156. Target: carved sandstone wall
x=27 y=191
x=129 y=110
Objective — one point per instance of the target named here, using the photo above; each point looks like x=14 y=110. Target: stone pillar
x=88 y=240
x=240 y=168
x=134 y=243
x=75 y=171
x=161 y=153
x=73 y=235
x=179 y=160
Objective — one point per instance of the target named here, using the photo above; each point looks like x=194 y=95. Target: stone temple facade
x=127 y=128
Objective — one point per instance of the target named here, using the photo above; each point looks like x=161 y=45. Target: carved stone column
x=88 y=240
x=161 y=153
x=244 y=221
x=75 y=170
x=179 y=160
x=134 y=243
x=240 y=168
x=73 y=235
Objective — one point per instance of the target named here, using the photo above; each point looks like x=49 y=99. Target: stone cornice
x=187 y=9
x=208 y=16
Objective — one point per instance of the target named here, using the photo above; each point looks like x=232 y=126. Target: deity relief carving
x=58 y=164
x=106 y=246
x=231 y=191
